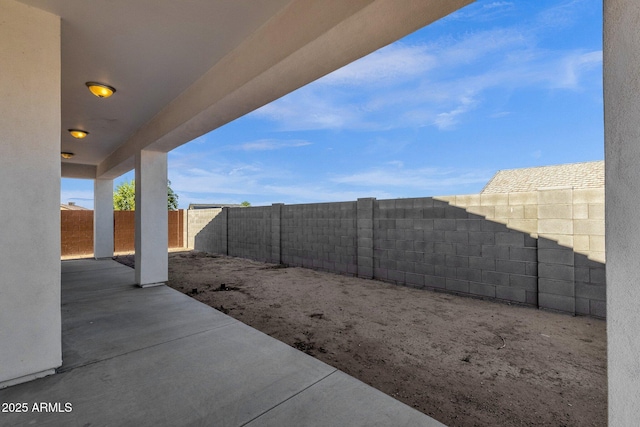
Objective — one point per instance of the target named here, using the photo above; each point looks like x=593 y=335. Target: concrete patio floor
x=153 y=356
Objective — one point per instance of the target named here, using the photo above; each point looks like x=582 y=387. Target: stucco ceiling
x=183 y=68
x=149 y=50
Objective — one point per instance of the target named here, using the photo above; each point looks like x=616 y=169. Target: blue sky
x=496 y=85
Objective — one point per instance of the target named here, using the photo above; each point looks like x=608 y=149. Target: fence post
x=185 y=227
x=276 y=233
x=225 y=232
x=364 y=239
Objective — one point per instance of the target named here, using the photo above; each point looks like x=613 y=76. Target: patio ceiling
x=184 y=68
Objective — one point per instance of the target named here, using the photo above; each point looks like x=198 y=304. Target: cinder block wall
x=515 y=247
x=572 y=217
x=249 y=233
x=321 y=235
x=589 y=251
x=428 y=243
x=197 y=219
x=569 y=226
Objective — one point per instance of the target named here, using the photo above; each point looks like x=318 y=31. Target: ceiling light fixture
x=66 y=155
x=100 y=90
x=77 y=133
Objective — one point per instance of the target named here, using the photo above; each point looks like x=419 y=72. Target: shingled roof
x=574 y=175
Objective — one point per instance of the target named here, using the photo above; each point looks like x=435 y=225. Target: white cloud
x=477 y=47
x=449 y=119
x=320 y=193
x=308 y=108
x=561 y=15
x=388 y=64
x=576 y=64
x=436 y=84
x=269 y=144
x=396 y=163
x=238 y=180
x=483 y=11
x=498 y=4
x=424 y=179
x=235 y=183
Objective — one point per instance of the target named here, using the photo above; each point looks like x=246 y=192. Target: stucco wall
x=30 y=320
x=151 y=215
x=622 y=175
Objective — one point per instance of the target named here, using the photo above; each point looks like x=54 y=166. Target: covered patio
x=180 y=70
x=154 y=356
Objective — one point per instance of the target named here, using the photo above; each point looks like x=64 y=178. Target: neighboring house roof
x=212 y=206
x=72 y=207
x=574 y=175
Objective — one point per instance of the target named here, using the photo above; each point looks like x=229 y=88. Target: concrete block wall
x=276 y=233
x=569 y=224
x=556 y=278
x=427 y=243
x=364 y=237
x=215 y=230
x=514 y=247
x=588 y=223
x=320 y=235
x=572 y=217
x=590 y=286
x=249 y=232
x=518 y=211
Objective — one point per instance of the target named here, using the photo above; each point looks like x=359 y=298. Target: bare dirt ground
x=463 y=361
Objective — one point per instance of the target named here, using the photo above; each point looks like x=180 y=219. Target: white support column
x=103 y=218
x=152 y=236
x=622 y=201
x=30 y=321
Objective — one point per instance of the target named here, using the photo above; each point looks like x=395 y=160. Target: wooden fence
x=77 y=231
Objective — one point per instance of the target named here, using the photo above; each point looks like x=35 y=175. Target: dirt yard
x=463 y=361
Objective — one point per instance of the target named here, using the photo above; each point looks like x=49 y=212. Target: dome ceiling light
x=66 y=155
x=78 y=134
x=100 y=90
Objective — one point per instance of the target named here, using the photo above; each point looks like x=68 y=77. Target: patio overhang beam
x=77 y=170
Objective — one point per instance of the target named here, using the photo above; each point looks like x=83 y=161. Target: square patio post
x=622 y=201
x=30 y=318
x=152 y=235
x=103 y=218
